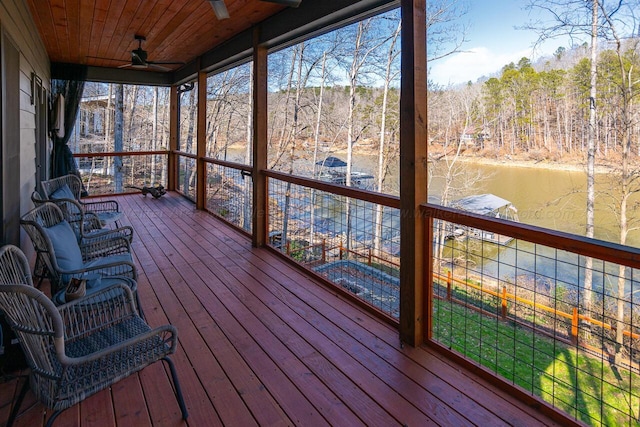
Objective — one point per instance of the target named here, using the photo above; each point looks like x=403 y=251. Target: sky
x=493 y=42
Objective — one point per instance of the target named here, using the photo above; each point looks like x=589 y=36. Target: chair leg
x=16 y=407
x=140 y=311
x=53 y=417
x=176 y=383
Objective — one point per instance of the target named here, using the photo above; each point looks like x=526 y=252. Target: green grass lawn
x=588 y=388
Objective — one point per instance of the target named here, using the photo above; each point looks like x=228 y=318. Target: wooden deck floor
x=261 y=344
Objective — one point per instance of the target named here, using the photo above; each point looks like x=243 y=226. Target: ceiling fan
x=139 y=59
x=220 y=9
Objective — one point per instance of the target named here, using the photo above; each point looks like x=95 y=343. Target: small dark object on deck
x=156 y=192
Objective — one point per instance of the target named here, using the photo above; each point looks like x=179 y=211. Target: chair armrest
x=95 y=247
x=98 y=309
x=103 y=206
x=121 y=268
x=91 y=222
x=125 y=231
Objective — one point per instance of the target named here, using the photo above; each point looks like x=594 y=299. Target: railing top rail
x=341 y=190
x=227 y=164
x=185 y=154
x=121 y=153
x=599 y=249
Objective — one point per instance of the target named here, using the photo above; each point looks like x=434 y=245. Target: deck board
x=260 y=343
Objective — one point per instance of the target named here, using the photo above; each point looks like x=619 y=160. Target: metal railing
x=229 y=192
x=346 y=235
x=118 y=172
x=187 y=174
x=554 y=313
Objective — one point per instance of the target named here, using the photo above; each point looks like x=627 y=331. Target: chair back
x=38 y=326
x=29 y=312
x=37 y=198
x=34 y=222
x=73 y=181
x=14 y=266
x=73 y=214
x=81 y=222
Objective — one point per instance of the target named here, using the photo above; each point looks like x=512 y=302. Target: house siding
x=17 y=25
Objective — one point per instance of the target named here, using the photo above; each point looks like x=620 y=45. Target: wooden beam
x=172 y=162
x=413 y=172
x=201 y=149
x=259 y=108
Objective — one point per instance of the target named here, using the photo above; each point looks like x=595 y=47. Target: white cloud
x=471 y=65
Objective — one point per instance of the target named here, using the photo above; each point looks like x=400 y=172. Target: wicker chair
x=82 y=347
x=84 y=224
x=101 y=261
x=14 y=267
x=70 y=187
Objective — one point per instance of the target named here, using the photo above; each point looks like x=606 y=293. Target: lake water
x=549 y=198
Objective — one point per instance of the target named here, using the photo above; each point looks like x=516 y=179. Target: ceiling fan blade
x=220 y=9
x=166 y=62
x=158 y=67
x=290 y=3
x=107 y=59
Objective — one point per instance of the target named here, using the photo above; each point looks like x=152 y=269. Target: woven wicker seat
x=70 y=187
x=77 y=349
x=101 y=261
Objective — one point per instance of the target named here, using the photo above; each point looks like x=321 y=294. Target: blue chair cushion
x=65 y=246
x=63 y=192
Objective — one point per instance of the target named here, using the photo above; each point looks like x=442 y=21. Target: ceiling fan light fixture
x=290 y=3
x=220 y=9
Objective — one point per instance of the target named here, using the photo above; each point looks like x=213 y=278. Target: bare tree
x=628 y=83
x=390 y=75
x=118 y=136
x=576 y=18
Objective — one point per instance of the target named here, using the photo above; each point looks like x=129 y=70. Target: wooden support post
x=369 y=258
x=341 y=249
x=201 y=147
x=574 y=326
x=172 y=160
x=324 y=251
x=504 y=303
x=259 y=111
x=288 y=246
x=415 y=270
x=449 y=276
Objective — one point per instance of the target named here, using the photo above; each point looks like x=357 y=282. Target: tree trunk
x=588 y=265
x=154 y=136
x=316 y=141
x=118 y=137
x=382 y=158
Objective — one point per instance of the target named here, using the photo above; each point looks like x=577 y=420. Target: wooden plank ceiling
x=85 y=32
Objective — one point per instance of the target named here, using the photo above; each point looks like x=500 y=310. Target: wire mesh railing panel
x=229 y=195
x=187 y=176
x=122 y=174
x=353 y=243
x=557 y=324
